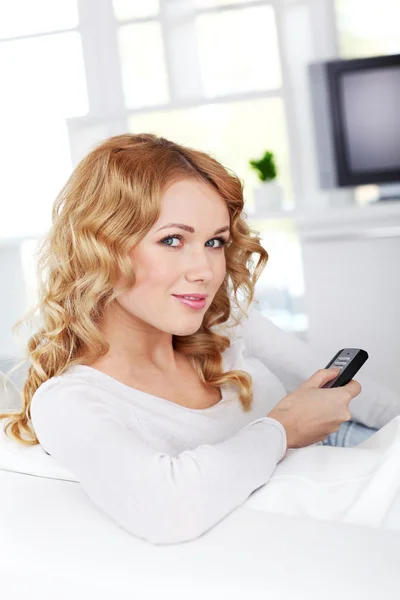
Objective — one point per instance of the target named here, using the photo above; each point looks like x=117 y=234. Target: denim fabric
x=349 y=434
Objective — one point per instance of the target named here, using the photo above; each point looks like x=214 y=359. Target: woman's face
x=194 y=263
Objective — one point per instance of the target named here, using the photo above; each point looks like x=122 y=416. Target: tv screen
x=357 y=120
x=371 y=118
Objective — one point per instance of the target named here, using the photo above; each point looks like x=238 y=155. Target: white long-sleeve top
x=167 y=473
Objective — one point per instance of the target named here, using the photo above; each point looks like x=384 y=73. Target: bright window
x=238 y=51
x=217 y=3
x=233 y=132
x=135 y=9
x=43 y=83
x=26 y=17
x=143 y=67
x=368 y=27
x=43 y=75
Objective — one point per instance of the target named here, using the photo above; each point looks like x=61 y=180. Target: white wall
x=352 y=278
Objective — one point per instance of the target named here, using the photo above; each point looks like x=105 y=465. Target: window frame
x=108 y=114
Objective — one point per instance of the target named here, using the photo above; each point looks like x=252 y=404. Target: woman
x=147 y=379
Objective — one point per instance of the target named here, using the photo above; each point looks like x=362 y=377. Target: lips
x=196 y=296
x=199 y=303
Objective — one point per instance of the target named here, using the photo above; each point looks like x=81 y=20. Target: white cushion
x=15 y=457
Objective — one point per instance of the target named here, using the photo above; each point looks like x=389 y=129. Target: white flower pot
x=267 y=197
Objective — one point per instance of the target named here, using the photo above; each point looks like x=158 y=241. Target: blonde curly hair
x=111 y=200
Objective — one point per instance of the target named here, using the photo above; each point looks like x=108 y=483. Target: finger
x=321 y=377
x=354 y=387
x=348 y=391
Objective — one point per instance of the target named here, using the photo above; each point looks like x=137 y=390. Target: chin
x=187 y=329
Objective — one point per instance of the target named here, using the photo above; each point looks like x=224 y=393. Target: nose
x=200 y=265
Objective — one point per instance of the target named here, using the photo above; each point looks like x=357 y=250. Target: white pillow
x=16 y=457
x=10 y=396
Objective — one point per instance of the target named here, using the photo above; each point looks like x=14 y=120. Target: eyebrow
x=191 y=229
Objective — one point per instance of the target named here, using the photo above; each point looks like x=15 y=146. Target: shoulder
x=65 y=395
x=61 y=385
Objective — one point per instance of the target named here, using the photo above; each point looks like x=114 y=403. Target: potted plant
x=268 y=195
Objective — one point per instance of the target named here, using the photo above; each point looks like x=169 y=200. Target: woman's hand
x=309 y=414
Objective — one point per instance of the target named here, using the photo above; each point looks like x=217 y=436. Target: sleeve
x=154 y=496
x=293 y=361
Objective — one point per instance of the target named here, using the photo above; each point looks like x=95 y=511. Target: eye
x=180 y=237
x=170 y=237
x=222 y=242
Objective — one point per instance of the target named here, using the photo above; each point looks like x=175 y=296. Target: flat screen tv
x=356 y=111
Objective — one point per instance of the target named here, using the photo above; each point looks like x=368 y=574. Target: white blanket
x=350 y=485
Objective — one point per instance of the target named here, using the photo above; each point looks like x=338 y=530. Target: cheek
x=152 y=272
x=147 y=263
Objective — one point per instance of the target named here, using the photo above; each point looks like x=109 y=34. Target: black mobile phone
x=349 y=361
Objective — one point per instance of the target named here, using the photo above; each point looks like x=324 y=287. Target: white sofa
x=55 y=543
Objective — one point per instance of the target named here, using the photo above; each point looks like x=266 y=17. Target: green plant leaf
x=265 y=166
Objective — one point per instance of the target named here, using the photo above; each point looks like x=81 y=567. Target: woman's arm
x=293 y=361
x=157 y=497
